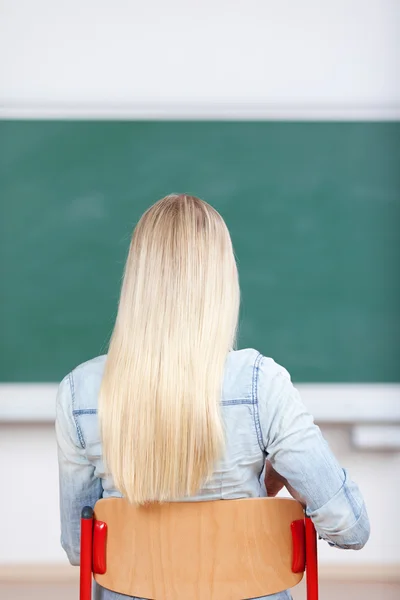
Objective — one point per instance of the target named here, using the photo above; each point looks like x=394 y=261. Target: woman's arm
x=79 y=486
x=299 y=454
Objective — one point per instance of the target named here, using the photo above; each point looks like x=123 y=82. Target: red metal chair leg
x=311 y=561
x=85 y=588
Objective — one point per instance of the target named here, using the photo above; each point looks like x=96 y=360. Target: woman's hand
x=273 y=481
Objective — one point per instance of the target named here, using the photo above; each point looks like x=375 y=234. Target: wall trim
x=48 y=573
x=336 y=403
x=207 y=111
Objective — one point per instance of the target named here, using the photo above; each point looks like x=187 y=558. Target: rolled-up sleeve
x=343 y=520
x=299 y=453
x=78 y=484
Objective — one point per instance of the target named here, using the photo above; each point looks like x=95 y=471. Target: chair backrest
x=220 y=550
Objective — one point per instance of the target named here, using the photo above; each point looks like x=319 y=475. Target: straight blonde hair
x=159 y=404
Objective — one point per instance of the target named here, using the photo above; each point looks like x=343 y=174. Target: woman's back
x=238 y=475
x=172 y=411
x=263 y=416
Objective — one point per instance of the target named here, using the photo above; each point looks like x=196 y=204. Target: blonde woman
x=173 y=412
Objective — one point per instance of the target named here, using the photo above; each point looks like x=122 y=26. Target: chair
x=219 y=550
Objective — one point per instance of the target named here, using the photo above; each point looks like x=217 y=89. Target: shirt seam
x=349 y=497
x=342 y=490
x=234 y=402
x=74 y=412
x=237 y=401
x=254 y=389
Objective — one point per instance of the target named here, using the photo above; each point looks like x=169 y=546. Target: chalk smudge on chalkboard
x=90 y=206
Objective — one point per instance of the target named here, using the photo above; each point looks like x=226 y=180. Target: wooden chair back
x=219 y=550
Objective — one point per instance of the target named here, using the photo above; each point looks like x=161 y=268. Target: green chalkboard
x=314 y=211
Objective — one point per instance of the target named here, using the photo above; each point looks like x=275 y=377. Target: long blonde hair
x=159 y=404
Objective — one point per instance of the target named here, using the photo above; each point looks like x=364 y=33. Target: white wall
x=30 y=530
x=260 y=56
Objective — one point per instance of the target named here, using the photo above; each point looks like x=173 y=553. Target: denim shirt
x=263 y=416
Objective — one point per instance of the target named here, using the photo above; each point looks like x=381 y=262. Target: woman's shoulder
x=91 y=367
x=90 y=373
x=84 y=384
x=252 y=359
x=248 y=370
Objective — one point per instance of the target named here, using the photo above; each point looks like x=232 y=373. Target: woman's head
x=176 y=322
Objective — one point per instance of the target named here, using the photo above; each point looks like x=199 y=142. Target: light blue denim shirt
x=263 y=417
